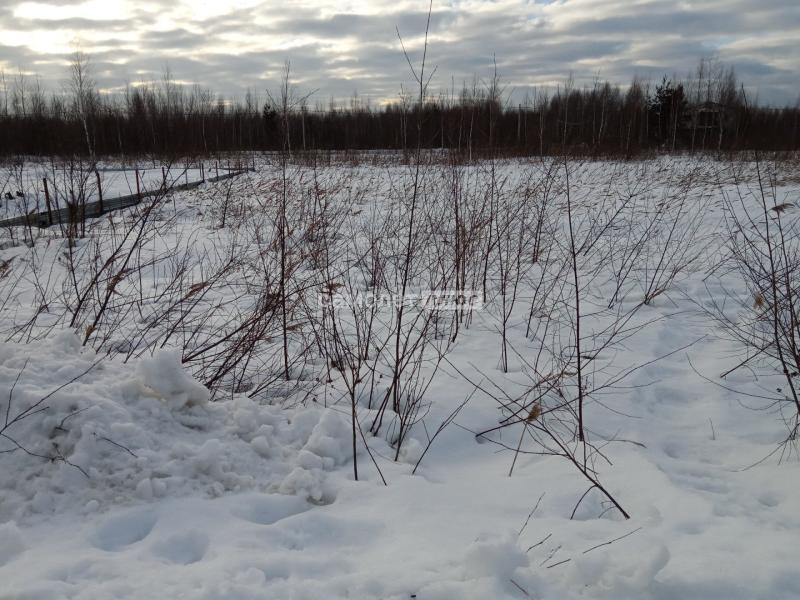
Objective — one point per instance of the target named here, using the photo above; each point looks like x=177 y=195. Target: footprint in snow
x=182 y=548
x=674 y=450
x=769 y=499
x=266 y=509
x=121 y=531
x=700 y=480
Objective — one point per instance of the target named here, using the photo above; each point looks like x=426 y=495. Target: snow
x=164 y=375
x=125 y=443
x=13 y=542
x=136 y=481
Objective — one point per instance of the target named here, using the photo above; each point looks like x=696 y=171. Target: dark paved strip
x=95 y=209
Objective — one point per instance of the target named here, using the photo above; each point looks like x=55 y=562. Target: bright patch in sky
x=93 y=10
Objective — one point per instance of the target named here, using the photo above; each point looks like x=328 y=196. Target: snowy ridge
x=146 y=438
x=119 y=434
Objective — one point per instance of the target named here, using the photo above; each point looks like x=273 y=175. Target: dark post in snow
x=47 y=201
x=138 y=190
x=99 y=191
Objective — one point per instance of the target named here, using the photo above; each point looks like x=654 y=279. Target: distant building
x=705 y=122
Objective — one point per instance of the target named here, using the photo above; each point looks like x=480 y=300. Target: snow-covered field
x=152 y=446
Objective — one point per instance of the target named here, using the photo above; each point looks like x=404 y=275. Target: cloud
x=338 y=47
x=70 y=24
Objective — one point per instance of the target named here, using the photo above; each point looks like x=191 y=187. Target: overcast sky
x=339 y=47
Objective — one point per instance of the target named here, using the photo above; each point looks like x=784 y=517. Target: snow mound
x=330 y=439
x=493 y=556
x=87 y=434
x=164 y=374
x=611 y=574
x=327 y=445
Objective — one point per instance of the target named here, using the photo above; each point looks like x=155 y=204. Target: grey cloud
x=16 y=55
x=71 y=23
x=172 y=39
x=368 y=26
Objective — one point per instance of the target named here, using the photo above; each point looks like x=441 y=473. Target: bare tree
x=82 y=86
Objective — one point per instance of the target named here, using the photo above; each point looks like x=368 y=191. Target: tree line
x=708 y=111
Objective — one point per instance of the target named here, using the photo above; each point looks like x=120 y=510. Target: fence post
x=47 y=201
x=217 y=168
x=138 y=190
x=163 y=179
x=99 y=191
